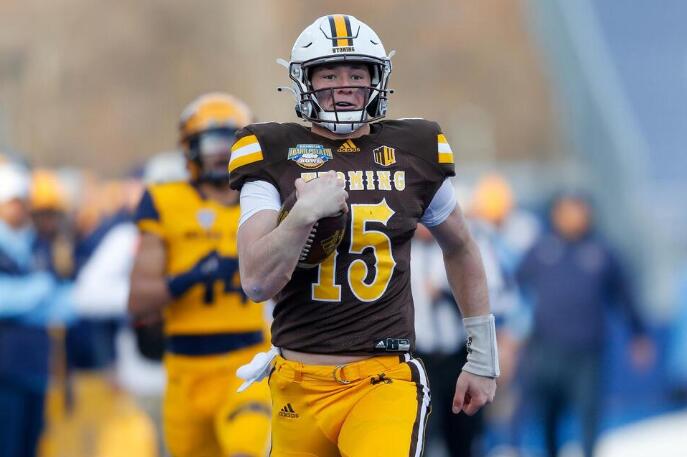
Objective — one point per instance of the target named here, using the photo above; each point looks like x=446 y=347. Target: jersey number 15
x=325 y=289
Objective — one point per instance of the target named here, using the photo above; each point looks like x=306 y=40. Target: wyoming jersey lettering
x=192 y=227
x=391 y=176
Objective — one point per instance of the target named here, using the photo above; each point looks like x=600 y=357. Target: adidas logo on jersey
x=348 y=146
x=287 y=411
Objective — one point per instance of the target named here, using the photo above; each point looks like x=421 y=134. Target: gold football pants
x=203 y=414
x=376 y=407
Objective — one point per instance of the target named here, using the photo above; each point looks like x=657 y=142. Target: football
x=325 y=237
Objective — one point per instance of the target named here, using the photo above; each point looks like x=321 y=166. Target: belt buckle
x=339 y=370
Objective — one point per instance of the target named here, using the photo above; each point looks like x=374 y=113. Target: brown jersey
x=358 y=301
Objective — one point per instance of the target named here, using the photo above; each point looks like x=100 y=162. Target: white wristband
x=483 y=354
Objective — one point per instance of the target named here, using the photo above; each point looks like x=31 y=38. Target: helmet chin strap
x=339 y=122
x=340 y=129
x=331 y=121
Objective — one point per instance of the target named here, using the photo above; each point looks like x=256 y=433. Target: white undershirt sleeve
x=442 y=204
x=257 y=196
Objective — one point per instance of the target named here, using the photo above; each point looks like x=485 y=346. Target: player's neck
x=321 y=131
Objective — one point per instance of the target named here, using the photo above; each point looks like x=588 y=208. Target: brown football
x=325 y=237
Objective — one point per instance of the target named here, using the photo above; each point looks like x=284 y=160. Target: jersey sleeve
x=425 y=139
x=247 y=162
x=438 y=155
x=147 y=216
x=434 y=158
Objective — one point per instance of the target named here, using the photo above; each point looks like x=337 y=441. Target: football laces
x=308 y=243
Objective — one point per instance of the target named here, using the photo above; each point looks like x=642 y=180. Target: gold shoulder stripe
x=246 y=140
x=445 y=154
x=244 y=151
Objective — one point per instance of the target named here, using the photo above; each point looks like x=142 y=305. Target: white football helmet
x=339 y=38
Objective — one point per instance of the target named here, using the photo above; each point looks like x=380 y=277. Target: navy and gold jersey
x=358 y=301
x=191 y=227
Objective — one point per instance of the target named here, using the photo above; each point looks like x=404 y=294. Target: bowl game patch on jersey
x=310 y=156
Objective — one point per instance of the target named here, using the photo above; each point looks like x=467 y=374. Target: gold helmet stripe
x=340 y=27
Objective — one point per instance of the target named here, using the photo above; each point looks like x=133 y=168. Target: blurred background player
x=186 y=273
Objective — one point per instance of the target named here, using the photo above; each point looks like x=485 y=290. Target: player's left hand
x=473 y=392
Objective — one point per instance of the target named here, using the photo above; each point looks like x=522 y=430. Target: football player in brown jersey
x=342 y=375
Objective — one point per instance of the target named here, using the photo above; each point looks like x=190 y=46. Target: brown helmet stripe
x=332 y=29
x=349 y=32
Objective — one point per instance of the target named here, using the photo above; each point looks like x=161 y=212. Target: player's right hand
x=472 y=393
x=322 y=197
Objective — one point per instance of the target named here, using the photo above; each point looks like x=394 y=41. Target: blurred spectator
x=571 y=275
x=104 y=262
x=105 y=248
x=504 y=232
x=30 y=300
x=440 y=336
x=493 y=202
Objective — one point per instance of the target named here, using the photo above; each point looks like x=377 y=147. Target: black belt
x=217 y=343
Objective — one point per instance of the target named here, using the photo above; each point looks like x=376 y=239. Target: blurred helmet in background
x=493 y=199
x=47 y=192
x=207 y=129
x=339 y=38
